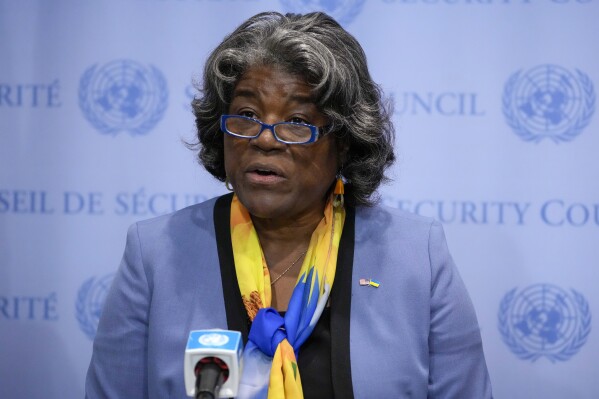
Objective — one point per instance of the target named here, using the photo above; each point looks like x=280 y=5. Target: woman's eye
x=297 y=119
x=248 y=114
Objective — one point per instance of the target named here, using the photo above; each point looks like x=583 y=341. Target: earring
x=339 y=191
x=228 y=184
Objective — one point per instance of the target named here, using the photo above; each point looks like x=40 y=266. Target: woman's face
x=272 y=179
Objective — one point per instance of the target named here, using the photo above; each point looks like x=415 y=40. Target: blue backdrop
x=496 y=138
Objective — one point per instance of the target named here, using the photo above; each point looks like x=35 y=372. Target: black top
x=314 y=360
x=329 y=342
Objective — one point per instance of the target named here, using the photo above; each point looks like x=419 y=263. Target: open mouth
x=265 y=172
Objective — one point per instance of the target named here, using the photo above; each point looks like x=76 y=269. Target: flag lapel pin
x=369 y=282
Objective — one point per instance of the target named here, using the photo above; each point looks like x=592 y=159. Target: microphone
x=213 y=364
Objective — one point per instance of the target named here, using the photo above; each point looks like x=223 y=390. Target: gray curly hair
x=331 y=60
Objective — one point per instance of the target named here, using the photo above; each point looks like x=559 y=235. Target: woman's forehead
x=265 y=80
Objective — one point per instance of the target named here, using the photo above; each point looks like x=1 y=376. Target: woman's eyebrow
x=300 y=98
x=244 y=93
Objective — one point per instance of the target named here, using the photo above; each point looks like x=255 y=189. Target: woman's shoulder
x=392 y=223
x=195 y=218
x=200 y=211
x=399 y=215
x=188 y=234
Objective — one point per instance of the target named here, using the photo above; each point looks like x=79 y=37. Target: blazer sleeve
x=118 y=367
x=457 y=367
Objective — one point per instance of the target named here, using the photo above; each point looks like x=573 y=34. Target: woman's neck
x=284 y=245
x=280 y=239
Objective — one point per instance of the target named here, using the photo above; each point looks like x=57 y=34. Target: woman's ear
x=342 y=152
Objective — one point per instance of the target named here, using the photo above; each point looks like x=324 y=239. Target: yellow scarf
x=273 y=338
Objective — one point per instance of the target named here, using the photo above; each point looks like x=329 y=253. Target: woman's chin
x=265 y=205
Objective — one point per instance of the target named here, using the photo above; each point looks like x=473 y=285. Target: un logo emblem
x=344 y=11
x=544 y=320
x=123 y=95
x=548 y=102
x=89 y=303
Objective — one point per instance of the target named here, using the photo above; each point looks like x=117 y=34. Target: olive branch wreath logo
x=577 y=340
x=526 y=134
x=86 y=104
x=88 y=322
x=349 y=8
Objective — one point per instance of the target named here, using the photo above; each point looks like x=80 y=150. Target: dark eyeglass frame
x=316 y=132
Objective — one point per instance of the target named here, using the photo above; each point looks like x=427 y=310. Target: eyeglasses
x=284 y=132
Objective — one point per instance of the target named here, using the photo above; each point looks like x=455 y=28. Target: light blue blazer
x=415 y=336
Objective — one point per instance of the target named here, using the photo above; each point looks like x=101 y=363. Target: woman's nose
x=267 y=141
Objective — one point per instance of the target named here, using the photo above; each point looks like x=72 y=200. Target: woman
x=334 y=296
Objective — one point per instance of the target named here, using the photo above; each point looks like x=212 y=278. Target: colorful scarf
x=270 y=358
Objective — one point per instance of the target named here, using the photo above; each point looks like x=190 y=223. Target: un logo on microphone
x=544 y=320
x=344 y=11
x=90 y=301
x=123 y=95
x=550 y=102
